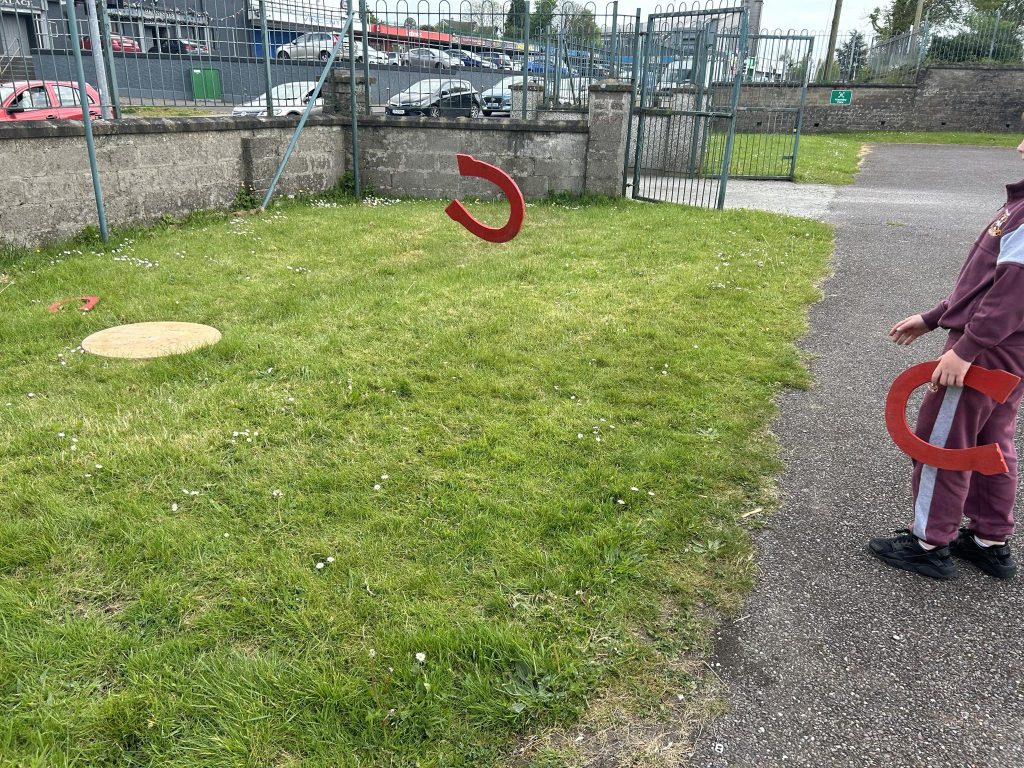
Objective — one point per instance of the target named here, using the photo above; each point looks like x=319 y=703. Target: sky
x=814 y=15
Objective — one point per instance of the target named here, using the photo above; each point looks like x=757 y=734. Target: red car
x=118 y=44
x=45 y=100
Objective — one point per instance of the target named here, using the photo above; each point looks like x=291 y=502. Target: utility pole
x=832 y=40
x=917 y=28
x=97 y=60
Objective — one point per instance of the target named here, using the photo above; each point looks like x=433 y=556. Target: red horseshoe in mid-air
x=88 y=302
x=470 y=166
x=987 y=459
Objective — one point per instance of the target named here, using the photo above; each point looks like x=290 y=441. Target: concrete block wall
x=415 y=157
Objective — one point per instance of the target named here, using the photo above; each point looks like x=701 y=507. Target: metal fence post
x=95 y=43
x=115 y=98
x=353 y=104
x=305 y=113
x=613 y=70
x=733 y=108
x=267 y=77
x=83 y=94
x=366 y=57
x=632 y=97
x=526 y=55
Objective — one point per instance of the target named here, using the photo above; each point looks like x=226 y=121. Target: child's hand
x=905 y=331
x=951 y=370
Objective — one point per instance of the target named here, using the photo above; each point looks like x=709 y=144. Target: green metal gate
x=688 y=91
x=769 y=116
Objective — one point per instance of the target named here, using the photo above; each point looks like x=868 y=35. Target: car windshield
x=5 y=93
x=421 y=89
x=292 y=91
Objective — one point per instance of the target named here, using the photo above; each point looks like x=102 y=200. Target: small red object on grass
x=88 y=302
x=987 y=459
x=470 y=166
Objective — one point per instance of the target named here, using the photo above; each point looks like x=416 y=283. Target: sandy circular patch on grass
x=144 y=341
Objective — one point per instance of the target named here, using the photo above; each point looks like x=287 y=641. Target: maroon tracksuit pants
x=960 y=417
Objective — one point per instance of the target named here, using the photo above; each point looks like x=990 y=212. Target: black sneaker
x=996 y=560
x=905 y=551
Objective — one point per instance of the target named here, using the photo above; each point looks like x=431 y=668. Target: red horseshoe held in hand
x=470 y=166
x=88 y=302
x=987 y=459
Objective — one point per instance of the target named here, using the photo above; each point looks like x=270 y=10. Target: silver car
x=289 y=99
x=431 y=58
x=312 y=45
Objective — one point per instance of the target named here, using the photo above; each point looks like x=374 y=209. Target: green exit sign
x=841 y=97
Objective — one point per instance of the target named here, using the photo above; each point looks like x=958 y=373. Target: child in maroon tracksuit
x=985 y=319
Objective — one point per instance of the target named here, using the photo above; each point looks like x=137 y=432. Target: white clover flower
x=376 y=486
x=373 y=654
x=227 y=535
x=277 y=494
x=319 y=566
x=31 y=394
x=620 y=501
x=174 y=507
x=421 y=657
x=383 y=477
x=99 y=466
x=330 y=559
x=634 y=488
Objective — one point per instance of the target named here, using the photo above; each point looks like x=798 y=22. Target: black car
x=178 y=47
x=437 y=97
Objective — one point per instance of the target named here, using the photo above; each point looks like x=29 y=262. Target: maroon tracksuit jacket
x=985 y=318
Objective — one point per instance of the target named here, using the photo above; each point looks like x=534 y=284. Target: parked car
x=398 y=59
x=179 y=46
x=312 y=45
x=289 y=99
x=538 y=66
x=45 y=100
x=118 y=44
x=468 y=58
x=499 y=60
x=436 y=97
x=431 y=58
x=373 y=56
x=498 y=98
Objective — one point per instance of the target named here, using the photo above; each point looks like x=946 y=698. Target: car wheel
x=474 y=110
x=439 y=65
x=283 y=55
x=435 y=111
x=324 y=55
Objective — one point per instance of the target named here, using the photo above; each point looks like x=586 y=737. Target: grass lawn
x=833 y=158
x=533 y=463
x=829 y=158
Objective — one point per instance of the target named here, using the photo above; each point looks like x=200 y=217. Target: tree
x=542 y=15
x=579 y=25
x=898 y=17
x=515 y=20
x=851 y=57
x=985 y=39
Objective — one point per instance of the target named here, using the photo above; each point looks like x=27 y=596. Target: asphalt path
x=837 y=659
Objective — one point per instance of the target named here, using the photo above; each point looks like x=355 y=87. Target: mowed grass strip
x=833 y=158
x=509 y=459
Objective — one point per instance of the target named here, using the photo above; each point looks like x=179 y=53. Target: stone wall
x=150 y=168
x=174 y=166
x=415 y=157
x=945 y=98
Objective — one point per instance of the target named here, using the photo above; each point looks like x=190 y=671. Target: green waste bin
x=206 y=85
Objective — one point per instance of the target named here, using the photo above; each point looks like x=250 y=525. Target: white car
x=289 y=99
